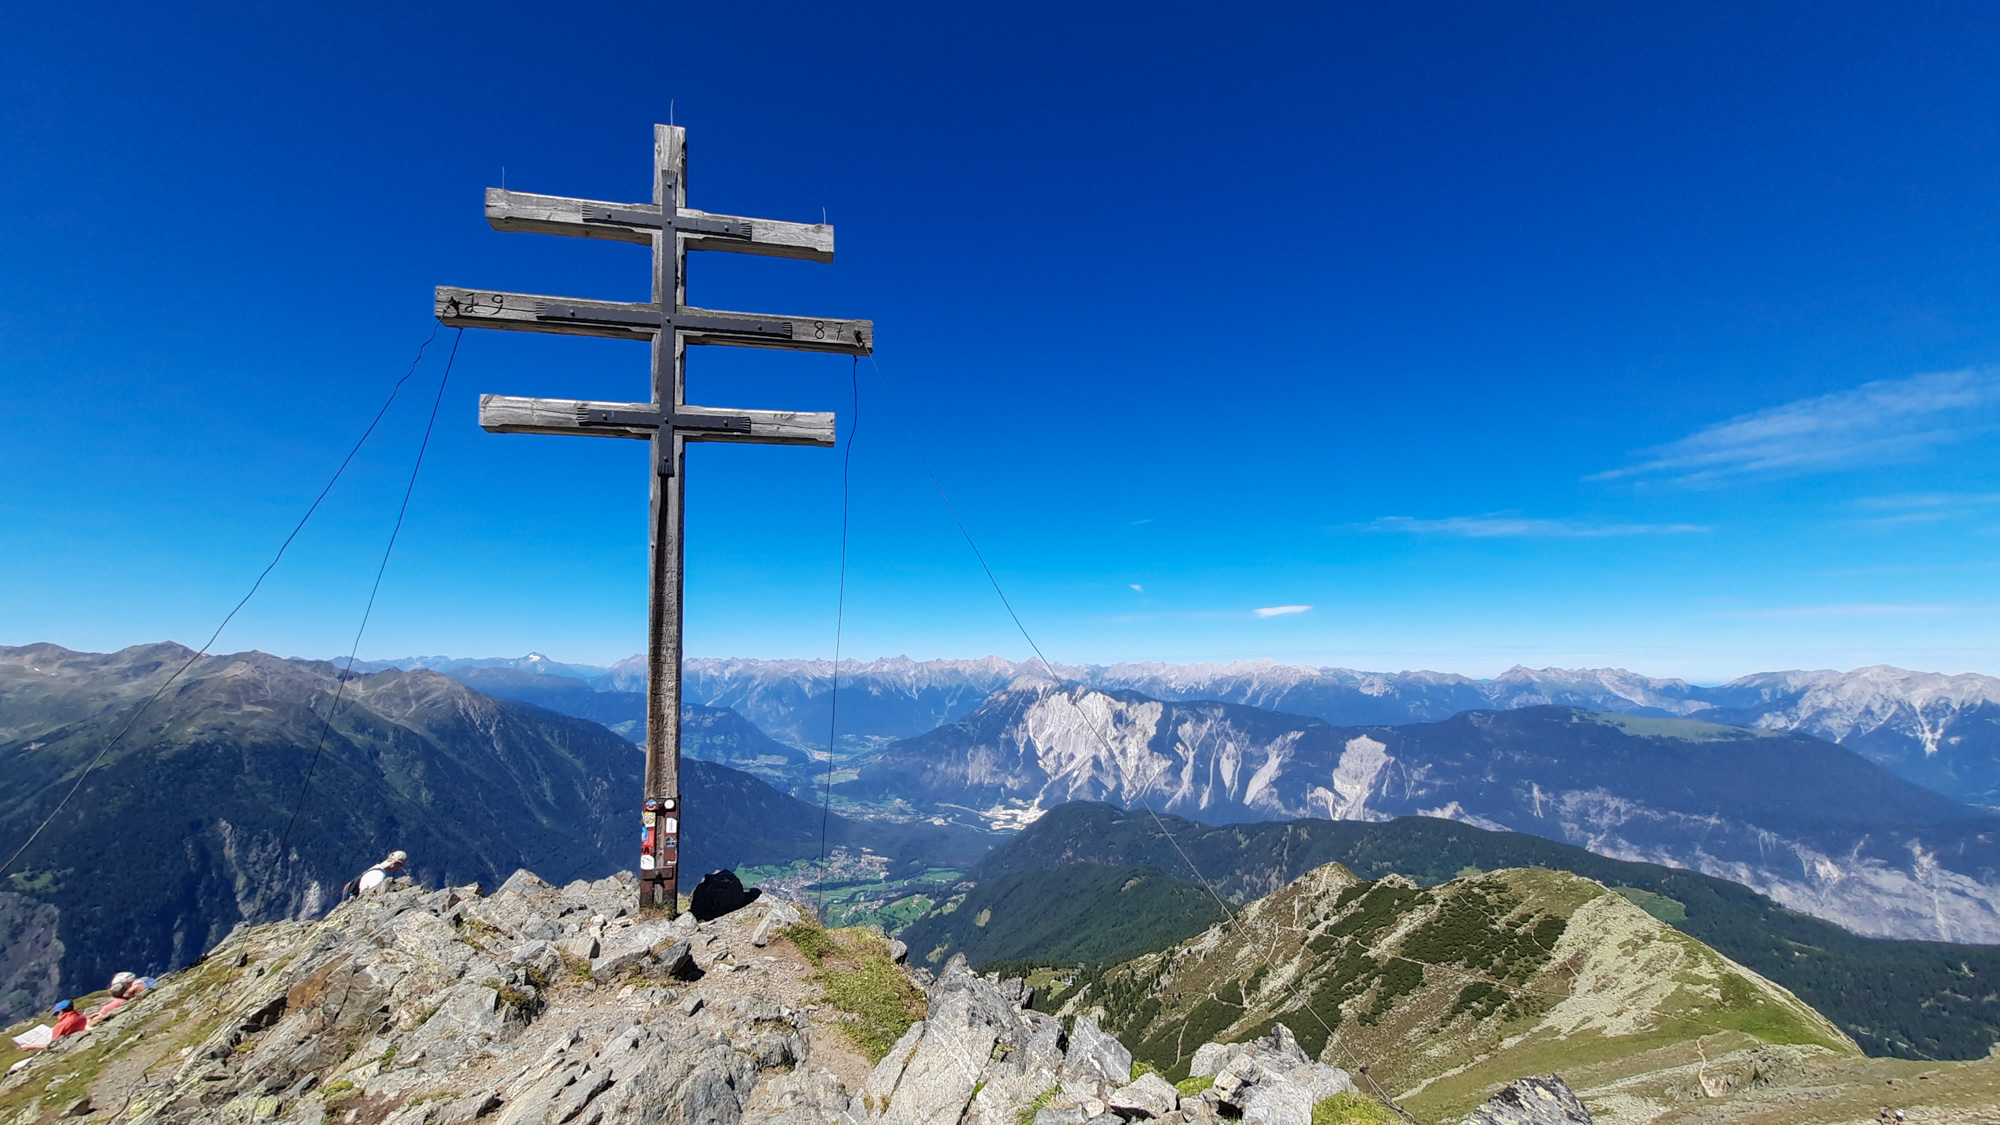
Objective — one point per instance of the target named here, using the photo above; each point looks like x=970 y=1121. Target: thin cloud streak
x=1851 y=609
x=1924 y=507
x=1880 y=422
x=1280 y=610
x=1518 y=527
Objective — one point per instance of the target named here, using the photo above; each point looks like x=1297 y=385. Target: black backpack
x=720 y=892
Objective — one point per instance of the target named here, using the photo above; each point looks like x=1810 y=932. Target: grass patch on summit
x=1351 y=1109
x=854 y=971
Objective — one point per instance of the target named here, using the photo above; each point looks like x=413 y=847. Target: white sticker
x=645 y=863
x=650 y=817
x=670 y=825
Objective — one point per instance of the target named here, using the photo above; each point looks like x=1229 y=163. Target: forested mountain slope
x=1916 y=999
x=1439 y=990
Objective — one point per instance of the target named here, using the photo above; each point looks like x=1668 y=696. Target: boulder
x=676 y=959
x=611 y=966
x=539 y=959
x=1210 y=1058
x=1532 y=1101
x=1149 y=1096
x=1095 y=1055
x=1271 y=1081
x=945 y=1067
x=778 y=916
x=583 y=946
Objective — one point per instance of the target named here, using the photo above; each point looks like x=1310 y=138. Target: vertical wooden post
x=660 y=886
x=666 y=422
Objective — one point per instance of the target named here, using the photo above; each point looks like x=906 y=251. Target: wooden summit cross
x=667 y=422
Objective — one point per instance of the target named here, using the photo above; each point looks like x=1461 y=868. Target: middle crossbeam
x=509 y=414
x=631 y=320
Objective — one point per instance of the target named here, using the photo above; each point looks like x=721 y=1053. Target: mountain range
x=1772 y=801
x=1940 y=731
x=1815 y=826
x=473 y=785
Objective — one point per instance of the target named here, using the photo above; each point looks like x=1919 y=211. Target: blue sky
x=1663 y=336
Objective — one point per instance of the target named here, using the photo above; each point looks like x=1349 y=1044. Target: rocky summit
x=537 y=1004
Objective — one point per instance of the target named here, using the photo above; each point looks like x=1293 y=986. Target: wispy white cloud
x=1139 y=588
x=1885 y=421
x=1280 y=610
x=1928 y=501
x=1854 y=609
x=1935 y=507
x=1503 y=526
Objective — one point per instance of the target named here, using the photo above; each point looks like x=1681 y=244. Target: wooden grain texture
x=526 y=312
x=520 y=312
x=666 y=581
x=555 y=214
x=507 y=414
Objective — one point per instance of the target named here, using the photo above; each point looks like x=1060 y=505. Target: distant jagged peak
x=1962 y=687
x=1602 y=676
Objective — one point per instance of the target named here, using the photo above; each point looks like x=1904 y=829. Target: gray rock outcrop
x=1270 y=1081
x=1532 y=1101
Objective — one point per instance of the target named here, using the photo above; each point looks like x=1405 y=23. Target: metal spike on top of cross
x=667 y=422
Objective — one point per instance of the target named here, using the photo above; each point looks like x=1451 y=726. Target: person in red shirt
x=69 y=1021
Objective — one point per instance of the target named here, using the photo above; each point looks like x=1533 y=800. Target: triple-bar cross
x=667 y=422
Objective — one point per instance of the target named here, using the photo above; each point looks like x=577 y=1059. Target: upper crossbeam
x=636 y=222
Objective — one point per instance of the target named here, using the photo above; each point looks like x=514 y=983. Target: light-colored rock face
x=1532 y=1101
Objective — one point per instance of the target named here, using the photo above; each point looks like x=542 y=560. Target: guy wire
x=245 y=600
x=340 y=686
x=839 y=625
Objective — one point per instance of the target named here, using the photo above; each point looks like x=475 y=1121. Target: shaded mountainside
x=712 y=734
x=1914 y=999
x=1813 y=825
x=175 y=837
x=1440 y=989
x=624 y=712
x=1080 y=913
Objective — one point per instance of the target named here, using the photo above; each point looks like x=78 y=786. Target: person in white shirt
x=374 y=877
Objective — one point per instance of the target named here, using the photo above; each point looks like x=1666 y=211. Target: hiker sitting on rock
x=375 y=876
